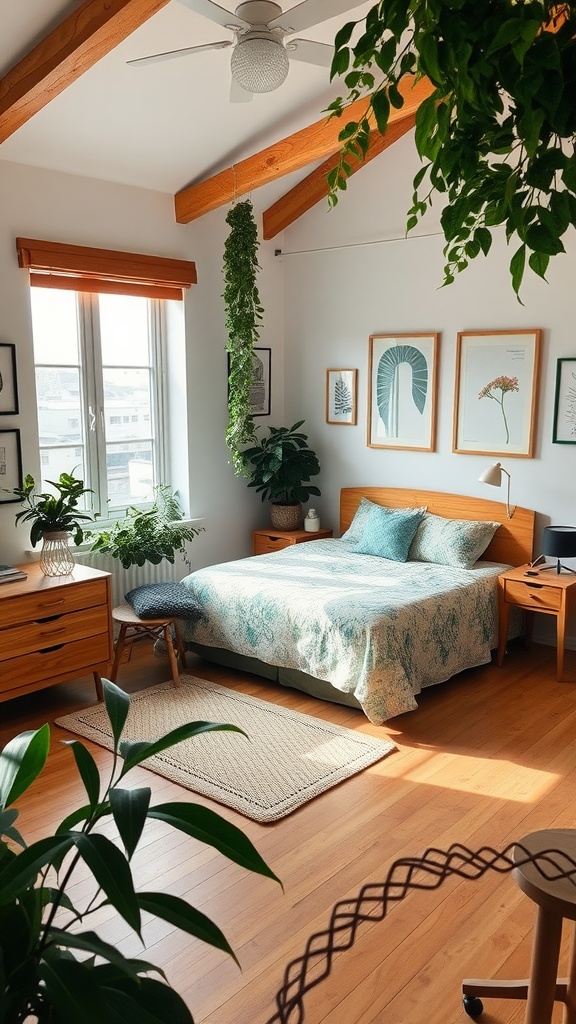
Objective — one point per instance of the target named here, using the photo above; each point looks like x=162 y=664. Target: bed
x=355 y=627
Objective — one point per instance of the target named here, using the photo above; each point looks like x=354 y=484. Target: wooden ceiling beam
x=314 y=188
x=78 y=42
x=316 y=142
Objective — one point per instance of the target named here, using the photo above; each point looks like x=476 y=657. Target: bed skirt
x=284 y=676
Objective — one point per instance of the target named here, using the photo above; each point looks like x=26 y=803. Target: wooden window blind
x=84 y=269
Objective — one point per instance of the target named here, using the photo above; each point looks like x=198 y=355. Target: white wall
x=339 y=290
x=60 y=207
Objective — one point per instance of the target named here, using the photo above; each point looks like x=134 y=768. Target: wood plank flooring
x=486 y=758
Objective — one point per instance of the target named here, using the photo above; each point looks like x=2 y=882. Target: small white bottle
x=311 y=521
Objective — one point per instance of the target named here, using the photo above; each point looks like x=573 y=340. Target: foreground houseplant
x=243 y=314
x=148 y=535
x=279 y=466
x=54 y=518
x=53 y=971
x=498 y=133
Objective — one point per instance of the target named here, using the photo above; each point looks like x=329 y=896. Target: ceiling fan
x=260 y=55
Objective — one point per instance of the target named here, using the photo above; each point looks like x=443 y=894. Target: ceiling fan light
x=259 y=64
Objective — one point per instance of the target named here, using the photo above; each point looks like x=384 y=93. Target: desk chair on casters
x=555 y=898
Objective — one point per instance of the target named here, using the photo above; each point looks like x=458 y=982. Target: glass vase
x=56 y=558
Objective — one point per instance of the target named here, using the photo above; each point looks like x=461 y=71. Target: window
x=99 y=360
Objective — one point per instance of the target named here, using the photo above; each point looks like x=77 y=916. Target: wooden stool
x=556 y=900
x=132 y=626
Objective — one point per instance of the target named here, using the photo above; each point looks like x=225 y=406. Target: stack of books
x=9 y=574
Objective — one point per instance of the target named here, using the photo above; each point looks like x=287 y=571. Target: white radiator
x=124 y=580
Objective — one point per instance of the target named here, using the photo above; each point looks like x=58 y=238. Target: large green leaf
x=90 y=942
x=88 y=771
x=179 y=913
x=210 y=828
x=73 y=990
x=130 y=807
x=112 y=872
x=147 y=1002
x=21 y=871
x=387 y=377
x=117 y=704
x=21 y=762
x=136 y=752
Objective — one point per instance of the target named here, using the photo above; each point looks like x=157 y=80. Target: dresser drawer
x=43 y=604
x=36 y=636
x=59 y=662
x=263 y=545
x=533 y=595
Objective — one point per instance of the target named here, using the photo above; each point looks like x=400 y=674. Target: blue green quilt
x=382 y=630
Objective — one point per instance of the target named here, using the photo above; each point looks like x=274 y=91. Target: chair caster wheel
x=473 y=1006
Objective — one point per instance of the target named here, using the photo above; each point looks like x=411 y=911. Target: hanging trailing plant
x=497 y=134
x=243 y=314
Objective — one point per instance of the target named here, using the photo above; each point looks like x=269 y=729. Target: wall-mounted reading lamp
x=493 y=475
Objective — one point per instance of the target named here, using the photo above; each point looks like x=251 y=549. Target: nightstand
x=265 y=541
x=547 y=592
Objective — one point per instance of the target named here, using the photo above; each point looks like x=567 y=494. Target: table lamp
x=559 y=542
x=493 y=475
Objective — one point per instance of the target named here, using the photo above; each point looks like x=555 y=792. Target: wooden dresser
x=54 y=628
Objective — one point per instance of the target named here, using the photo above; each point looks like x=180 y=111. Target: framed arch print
x=495 y=392
x=402 y=385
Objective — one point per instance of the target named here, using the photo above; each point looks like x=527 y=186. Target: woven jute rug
x=288 y=759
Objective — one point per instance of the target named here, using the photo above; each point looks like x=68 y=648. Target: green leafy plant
x=52 y=970
x=53 y=513
x=497 y=134
x=148 y=535
x=281 y=464
x=243 y=314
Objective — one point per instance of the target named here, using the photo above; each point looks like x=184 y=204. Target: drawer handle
x=51 y=604
x=51 y=632
x=534 y=586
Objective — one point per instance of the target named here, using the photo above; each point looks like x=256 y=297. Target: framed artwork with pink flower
x=496 y=392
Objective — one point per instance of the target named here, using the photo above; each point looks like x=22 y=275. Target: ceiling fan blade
x=156 y=58
x=214 y=12
x=310 y=52
x=309 y=13
x=238 y=94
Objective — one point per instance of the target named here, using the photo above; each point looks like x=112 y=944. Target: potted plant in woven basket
x=279 y=467
x=54 y=518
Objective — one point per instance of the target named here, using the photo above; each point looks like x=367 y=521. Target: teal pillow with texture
x=355 y=531
x=388 y=533
x=456 y=542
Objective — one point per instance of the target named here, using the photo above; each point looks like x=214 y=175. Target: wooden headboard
x=512 y=543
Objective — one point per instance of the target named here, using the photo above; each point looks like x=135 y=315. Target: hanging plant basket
x=243 y=315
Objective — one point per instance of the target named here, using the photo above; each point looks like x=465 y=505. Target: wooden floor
x=487 y=758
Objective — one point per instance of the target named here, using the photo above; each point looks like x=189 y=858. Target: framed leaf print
x=341 y=388
x=402 y=383
x=496 y=390
x=8 y=381
x=564 y=431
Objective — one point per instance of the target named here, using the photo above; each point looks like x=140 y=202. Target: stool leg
x=570 y=1008
x=118 y=652
x=173 y=663
x=544 y=970
x=180 y=644
x=98 y=685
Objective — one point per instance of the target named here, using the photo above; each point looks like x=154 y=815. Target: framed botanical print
x=341 y=392
x=402 y=383
x=495 y=392
x=261 y=380
x=10 y=464
x=564 y=431
x=8 y=381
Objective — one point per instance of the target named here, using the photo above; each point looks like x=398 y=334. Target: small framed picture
x=496 y=392
x=341 y=391
x=402 y=387
x=10 y=464
x=564 y=431
x=8 y=381
x=262 y=375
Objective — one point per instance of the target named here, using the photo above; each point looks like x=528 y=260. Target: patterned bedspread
x=380 y=629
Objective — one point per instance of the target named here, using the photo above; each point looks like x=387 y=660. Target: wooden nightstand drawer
x=263 y=544
x=533 y=595
x=266 y=541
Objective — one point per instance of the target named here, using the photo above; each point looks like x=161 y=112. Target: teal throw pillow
x=355 y=531
x=456 y=542
x=389 y=532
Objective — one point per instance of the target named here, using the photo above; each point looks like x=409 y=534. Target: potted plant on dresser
x=279 y=467
x=55 y=518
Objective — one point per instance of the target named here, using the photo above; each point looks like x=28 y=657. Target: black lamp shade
x=559 y=541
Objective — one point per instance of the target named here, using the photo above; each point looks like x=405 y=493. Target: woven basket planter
x=286 y=517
